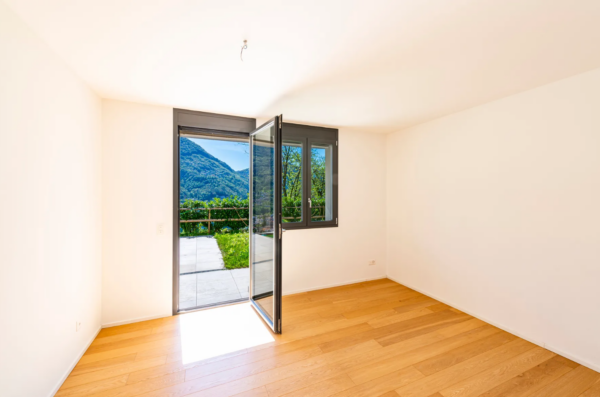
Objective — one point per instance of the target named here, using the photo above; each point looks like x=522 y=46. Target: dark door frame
x=201 y=123
x=275 y=322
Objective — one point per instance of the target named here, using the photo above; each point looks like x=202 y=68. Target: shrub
x=235 y=208
x=235 y=249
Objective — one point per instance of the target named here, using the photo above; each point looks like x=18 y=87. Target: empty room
x=292 y=199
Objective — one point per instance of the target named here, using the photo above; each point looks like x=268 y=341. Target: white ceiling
x=374 y=65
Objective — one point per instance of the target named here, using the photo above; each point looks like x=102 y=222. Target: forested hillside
x=204 y=177
x=244 y=173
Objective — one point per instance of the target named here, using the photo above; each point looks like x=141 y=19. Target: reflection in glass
x=321 y=200
x=291 y=183
x=263 y=215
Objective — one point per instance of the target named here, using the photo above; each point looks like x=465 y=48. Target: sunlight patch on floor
x=215 y=332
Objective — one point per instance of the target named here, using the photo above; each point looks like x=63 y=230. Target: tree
x=317 y=174
x=292 y=172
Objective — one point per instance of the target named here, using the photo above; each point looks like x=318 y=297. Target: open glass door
x=265 y=222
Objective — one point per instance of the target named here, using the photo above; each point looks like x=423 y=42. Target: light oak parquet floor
x=375 y=338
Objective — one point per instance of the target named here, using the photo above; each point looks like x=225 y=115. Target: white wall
x=137 y=204
x=496 y=210
x=137 y=197
x=320 y=258
x=50 y=214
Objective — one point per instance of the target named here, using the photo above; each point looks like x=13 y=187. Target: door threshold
x=213 y=306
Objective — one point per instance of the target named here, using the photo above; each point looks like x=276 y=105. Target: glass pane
x=321 y=200
x=213 y=220
x=291 y=183
x=263 y=215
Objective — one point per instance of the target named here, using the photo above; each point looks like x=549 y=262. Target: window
x=291 y=184
x=309 y=173
x=321 y=200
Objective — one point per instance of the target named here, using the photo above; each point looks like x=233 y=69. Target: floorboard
x=376 y=338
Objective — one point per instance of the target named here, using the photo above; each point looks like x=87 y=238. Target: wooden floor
x=375 y=338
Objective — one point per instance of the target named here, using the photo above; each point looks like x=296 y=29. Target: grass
x=234 y=248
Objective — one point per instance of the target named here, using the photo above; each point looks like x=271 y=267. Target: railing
x=210 y=219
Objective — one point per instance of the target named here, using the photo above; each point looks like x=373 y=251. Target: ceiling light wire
x=244 y=47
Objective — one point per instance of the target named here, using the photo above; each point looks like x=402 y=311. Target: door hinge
x=280 y=121
x=280 y=231
x=335 y=143
x=336 y=221
x=279 y=322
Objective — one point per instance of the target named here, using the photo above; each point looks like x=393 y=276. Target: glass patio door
x=265 y=222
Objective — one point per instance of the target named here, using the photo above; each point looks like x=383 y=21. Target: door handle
x=309 y=203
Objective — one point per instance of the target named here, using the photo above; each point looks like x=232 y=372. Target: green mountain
x=204 y=177
x=245 y=173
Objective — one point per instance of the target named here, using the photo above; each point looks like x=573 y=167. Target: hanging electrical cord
x=244 y=47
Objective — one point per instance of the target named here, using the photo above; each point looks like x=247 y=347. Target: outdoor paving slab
x=210 y=262
x=201 y=252
x=210 y=265
x=204 y=241
x=187 y=242
x=209 y=256
x=187 y=291
x=212 y=284
x=189 y=304
x=187 y=260
x=215 y=287
x=217 y=299
x=242 y=274
x=242 y=280
x=187 y=268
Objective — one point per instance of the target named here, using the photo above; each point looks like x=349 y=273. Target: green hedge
x=235 y=208
x=194 y=209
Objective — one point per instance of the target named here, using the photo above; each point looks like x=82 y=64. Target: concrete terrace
x=203 y=279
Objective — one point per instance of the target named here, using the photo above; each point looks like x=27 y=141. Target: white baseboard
x=570 y=356
x=73 y=364
x=135 y=320
x=333 y=285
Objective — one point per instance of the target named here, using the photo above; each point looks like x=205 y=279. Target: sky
x=235 y=154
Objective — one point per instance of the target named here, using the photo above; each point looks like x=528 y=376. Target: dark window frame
x=307 y=135
x=189 y=121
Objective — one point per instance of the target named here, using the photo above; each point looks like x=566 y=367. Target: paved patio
x=212 y=287
x=208 y=281
x=199 y=254
x=204 y=280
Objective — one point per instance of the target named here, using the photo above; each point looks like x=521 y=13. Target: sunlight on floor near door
x=219 y=331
